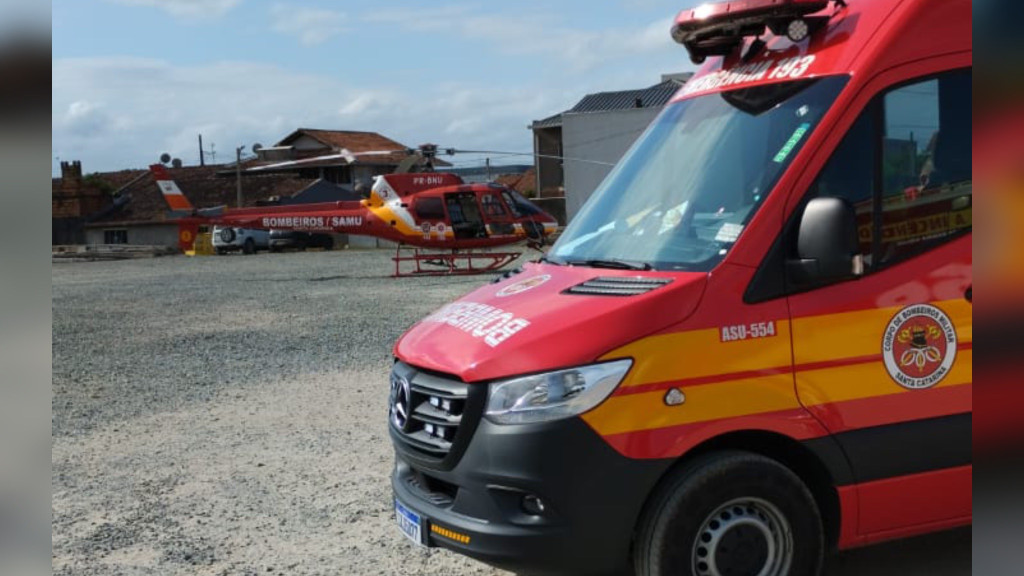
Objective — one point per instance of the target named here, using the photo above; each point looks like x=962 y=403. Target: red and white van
x=754 y=342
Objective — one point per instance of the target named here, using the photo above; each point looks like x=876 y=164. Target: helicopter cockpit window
x=682 y=196
x=519 y=205
x=511 y=204
x=492 y=206
x=429 y=208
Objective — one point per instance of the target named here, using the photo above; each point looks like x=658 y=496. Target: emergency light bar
x=719 y=29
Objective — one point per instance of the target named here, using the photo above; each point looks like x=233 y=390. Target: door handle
x=969 y=293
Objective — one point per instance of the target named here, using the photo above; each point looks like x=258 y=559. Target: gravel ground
x=227 y=416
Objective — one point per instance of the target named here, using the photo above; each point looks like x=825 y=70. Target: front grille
x=618 y=286
x=426 y=410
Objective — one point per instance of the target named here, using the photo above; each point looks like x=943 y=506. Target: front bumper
x=592 y=498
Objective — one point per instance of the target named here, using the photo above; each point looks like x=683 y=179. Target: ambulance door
x=883 y=360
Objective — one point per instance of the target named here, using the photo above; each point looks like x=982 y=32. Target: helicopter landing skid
x=450 y=262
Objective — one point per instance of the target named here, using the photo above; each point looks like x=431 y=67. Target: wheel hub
x=744 y=537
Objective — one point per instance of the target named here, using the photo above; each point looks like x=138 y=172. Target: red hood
x=527 y=324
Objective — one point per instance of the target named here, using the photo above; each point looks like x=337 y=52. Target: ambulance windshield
x=682 y=195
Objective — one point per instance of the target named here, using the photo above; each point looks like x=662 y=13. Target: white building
x=574 y=149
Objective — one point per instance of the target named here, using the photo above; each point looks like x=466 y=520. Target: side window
x=492 y=206
x=511 y=204
x=908 y=156
x=850 y=174
x=926 y=165
x=430 y=209
x=115 y=236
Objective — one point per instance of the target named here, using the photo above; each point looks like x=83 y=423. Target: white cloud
x=535 y=34
x=122 y=112
x=86 y=119
x=188 y=9
x=150 y=107
x=310 y=25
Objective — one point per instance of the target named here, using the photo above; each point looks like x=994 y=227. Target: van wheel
x=249 y=247
x=730 y=513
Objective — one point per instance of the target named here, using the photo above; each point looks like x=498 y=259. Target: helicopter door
x=464 y=212
x=497 y=215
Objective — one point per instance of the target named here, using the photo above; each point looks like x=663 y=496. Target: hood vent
x=618 y=286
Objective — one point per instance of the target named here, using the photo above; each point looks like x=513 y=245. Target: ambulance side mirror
x=827 y=245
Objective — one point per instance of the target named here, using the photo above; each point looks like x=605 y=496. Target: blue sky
x=135 y=78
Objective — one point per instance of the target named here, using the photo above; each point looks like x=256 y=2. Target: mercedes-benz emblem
x=401 y=401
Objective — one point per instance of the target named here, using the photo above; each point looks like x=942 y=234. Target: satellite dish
x=176 y=163
x=257 y=147
x=165 y=158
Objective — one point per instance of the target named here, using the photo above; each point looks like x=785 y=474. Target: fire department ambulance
x=754 y=342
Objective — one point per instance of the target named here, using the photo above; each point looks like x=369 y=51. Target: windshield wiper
x=548 y=260
x=612 y=264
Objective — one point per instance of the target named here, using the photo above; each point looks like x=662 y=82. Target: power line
x=533 y=155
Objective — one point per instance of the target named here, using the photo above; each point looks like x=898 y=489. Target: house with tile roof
x=600 y=128
x=127 y=207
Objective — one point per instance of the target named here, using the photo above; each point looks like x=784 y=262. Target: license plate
x=409 y=523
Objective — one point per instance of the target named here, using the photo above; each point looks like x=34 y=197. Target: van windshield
x=682 y=195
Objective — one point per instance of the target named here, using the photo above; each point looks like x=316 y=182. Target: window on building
x=115 y=236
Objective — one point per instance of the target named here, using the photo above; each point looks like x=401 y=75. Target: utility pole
x=238 y=173
x=202 y=153
x=488 y=163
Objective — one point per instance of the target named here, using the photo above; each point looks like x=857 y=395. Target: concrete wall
x=553 y=206
x=600 y=136
x=163 y=235
x=306 y=143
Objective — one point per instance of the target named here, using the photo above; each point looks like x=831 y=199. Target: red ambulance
x=752 y=345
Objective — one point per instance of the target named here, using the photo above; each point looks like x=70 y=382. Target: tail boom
x=172 y=194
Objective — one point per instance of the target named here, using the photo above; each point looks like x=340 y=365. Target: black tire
x=227 y=235
x=739 y=499
x=219 y=251
x=249 y=246
x=328 y=243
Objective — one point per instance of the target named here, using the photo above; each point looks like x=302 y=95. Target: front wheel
x=731 y=514
x=249 y=247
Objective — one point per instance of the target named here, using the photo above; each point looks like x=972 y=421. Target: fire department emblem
x=523 y=285
x=919 y=346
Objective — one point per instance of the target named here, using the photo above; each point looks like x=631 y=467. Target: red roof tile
x=525 y=183
x=347 y=139
x=201 y=186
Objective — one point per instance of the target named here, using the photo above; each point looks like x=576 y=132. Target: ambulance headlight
x=553 y=395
